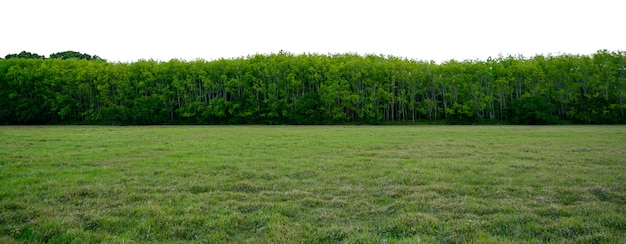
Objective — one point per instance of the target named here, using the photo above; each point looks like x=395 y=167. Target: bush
x=531 y=111
x=461 y=114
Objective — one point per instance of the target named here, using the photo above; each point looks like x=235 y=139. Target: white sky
x=439 y=30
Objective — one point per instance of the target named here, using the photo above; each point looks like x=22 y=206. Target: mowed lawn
x=313 y=184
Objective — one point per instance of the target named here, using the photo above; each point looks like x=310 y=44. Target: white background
x=438 y=30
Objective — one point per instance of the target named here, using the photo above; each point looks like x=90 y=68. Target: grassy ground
x=313 y=184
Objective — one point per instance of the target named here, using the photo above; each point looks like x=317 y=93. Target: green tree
x=24 y=54
x=284 y=88
x=532 y=110
x=74 y=55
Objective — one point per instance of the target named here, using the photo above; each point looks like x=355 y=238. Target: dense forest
x=283 y=88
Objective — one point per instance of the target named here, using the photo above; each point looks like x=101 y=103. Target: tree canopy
x=24 y=54
x=74 y=54
x=284 y=88
x=59 y=55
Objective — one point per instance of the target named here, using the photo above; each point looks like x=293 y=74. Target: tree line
x=285 y=88
x=59 y=55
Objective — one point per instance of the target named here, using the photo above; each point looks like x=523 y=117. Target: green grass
x=313 y=184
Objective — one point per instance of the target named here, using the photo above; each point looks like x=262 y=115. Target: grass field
x=313 y=184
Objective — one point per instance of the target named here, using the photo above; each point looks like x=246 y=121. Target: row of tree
x=61 y=55
x=284 y=88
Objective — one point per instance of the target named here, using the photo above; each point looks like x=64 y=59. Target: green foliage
x=118 y=115
x=307 y=110
x=75 y=55
x=461 y=114
x=283 y=88
x=531 y=111
x=24 y=54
